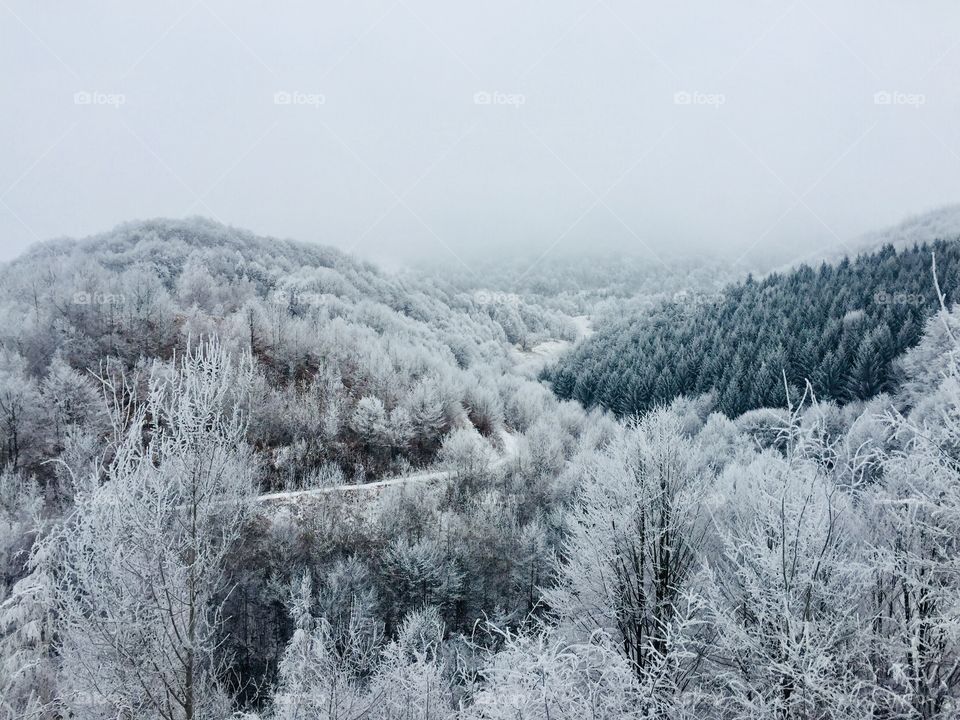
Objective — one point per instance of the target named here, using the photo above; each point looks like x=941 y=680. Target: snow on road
x=510 y=450
x=417 y=477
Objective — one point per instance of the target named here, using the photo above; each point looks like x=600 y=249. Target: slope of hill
x=385 y=424
x=925 y=227
x=838 y=326
x=942 y=222
x=360 y=372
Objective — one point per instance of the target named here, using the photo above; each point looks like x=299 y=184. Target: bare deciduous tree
x=142 y=582
x=634 y=541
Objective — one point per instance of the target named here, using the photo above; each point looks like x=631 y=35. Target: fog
x=414 y=130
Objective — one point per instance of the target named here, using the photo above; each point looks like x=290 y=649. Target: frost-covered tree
x=72 y=401
x=916 y=537
x=371 y=423
x=401 y=428
x=425 y=409
x=484 y=408
x=540 y=676
x=141 y=583
x=785 y=596
x=413 y=681
x=632 y=548
x=320 y=673
x=417 y=574
x=28 y=669
x=466 y=453
x=21 y=419
x=21 y=504
x=195 y=285
x=542 y=453
x=534 y=562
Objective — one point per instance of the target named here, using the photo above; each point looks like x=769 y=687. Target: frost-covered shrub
x=466 y=453
x=764 y=426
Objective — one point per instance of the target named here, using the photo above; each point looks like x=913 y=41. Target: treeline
x=839 y=327
x=599 y=284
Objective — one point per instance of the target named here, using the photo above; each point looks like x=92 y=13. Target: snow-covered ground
x=529 y=363
x=584 y=326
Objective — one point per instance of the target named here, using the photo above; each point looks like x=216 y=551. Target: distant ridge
x=942 y=223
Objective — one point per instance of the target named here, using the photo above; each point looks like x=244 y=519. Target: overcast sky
x=412 y=129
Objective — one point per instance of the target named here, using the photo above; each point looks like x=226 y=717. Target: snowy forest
x=249 y=478
x=839 y=327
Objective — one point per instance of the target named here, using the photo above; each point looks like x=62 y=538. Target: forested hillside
x=268 y=366
x=246 y=478
x=358 y=372
x=837 y=326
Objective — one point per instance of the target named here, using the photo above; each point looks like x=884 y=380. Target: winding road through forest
x=509 y=453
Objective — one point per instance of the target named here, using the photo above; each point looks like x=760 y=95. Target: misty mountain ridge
x=942 y=223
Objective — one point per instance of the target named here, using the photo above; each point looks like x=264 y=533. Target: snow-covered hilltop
x=364 y=372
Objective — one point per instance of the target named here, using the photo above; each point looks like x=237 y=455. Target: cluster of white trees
x=124 y=604
x=808 y=569
x=132 y=580
x=805 y=566
x=124 y=448
x=356 y=367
